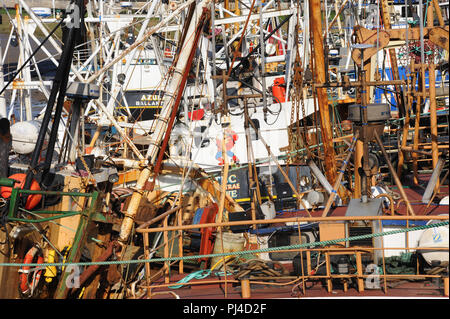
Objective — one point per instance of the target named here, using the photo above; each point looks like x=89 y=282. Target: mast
x=140 y=36
x=322 y=98
x=393 y=56
x=161 y=127
x=57 y=95
x=2 y=84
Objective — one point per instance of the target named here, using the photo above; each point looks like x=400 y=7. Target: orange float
x=279 y=89
x=33 y=199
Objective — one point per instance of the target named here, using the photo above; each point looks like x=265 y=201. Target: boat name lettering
x=150 y=97
x=232 y=186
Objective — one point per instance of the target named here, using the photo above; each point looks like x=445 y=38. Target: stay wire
x=32 y=55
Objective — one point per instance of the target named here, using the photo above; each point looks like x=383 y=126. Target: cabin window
x=198 y=133
x=406 y=12
x=254 y=134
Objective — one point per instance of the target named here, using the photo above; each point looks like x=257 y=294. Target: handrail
x=294 y=219
x=15 y=198
x=158 y=218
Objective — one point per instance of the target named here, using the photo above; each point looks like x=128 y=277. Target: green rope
x=236 y=253
x=201 y=274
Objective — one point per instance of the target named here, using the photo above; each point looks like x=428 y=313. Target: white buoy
x=434 y=237
x=24 y=136
x=444 y=201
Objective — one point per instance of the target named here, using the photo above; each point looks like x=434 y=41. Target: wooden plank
x=359 y=270
x=332 y=231
x=62 y=236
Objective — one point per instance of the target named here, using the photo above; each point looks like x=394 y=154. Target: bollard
x=446 y=286
x=245 y=289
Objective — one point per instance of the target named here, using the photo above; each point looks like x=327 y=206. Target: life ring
x=27 y=288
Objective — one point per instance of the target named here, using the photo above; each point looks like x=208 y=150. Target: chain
x=85 y=180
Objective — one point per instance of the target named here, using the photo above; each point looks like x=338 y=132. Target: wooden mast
x=322 y=98
x=392 y=55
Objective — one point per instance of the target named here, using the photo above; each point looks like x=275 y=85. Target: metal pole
x=294 y=220
x=2 y=83
x=433 y=182
x=322 y=179
x=422 y=50
x=59 y=80
x=394 y=174
x=339 y=178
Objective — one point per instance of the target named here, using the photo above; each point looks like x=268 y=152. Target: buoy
x=33 y=199
x=434 y=237
x=24 y=136
x=444 y=201
x=279 y=90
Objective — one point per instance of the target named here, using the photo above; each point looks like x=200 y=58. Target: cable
x=32 y=55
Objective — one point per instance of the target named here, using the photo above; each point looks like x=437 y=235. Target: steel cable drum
x=33 y=199
x=434 y=237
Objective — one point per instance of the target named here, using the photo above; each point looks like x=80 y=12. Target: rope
x=201 y=274
x=237 y=253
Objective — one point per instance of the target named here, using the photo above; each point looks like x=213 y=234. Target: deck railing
x=328 y=248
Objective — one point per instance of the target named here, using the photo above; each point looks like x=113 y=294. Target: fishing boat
x=216 y=150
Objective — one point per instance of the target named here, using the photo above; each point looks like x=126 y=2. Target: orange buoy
x=279 y=90
x=33 y=199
